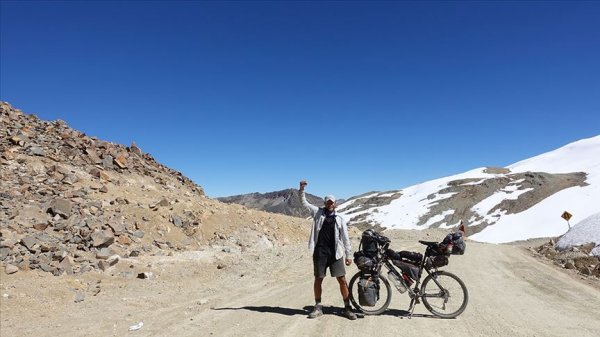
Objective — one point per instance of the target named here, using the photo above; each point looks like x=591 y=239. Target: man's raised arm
x=305 y=202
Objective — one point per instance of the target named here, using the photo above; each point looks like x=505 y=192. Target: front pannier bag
x=368 y=292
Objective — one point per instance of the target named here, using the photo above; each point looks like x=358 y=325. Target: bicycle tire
x=353 y=287
x=432 y=295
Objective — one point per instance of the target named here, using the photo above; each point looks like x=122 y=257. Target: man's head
x=330 y=202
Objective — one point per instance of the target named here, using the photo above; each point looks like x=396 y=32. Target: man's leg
x=346 y=296
x=318 y=309
x=318 y=287
x=344 y=289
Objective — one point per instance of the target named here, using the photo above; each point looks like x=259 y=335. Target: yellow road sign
x=566 y=215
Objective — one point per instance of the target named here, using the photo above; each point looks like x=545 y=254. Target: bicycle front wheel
x=444 y=294
x=385 y=296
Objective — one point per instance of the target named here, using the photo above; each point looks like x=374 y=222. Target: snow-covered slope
x=544 y=219
x=585 y=231
x=522 y=201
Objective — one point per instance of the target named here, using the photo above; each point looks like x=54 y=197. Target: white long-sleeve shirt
x=342 y=240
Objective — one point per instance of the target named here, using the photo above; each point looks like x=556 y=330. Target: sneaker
x=317 y=311
x=349 y=314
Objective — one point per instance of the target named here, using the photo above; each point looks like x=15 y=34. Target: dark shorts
x=321 y=263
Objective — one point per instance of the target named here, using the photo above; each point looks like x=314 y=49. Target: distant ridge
x=284 y=202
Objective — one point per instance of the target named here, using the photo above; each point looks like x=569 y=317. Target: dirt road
x=270 y=293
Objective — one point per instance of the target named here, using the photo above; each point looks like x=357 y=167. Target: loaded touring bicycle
x=442 y=293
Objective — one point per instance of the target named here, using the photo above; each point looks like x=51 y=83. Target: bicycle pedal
x=360 y=315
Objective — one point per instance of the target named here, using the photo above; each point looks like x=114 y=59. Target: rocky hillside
x=284 y=202
x=71 y=203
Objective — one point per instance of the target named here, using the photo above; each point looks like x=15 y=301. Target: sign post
x=566 y=215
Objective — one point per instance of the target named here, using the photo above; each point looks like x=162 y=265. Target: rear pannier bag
x=436 y=261
x=368 y=292
x=454 y=244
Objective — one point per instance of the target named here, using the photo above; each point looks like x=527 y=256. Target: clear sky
x=353 y=96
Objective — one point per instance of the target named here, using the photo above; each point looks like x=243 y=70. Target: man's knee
x=341 y=279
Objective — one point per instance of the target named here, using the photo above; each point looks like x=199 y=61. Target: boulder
x=107 y=162
x=10 y=269
x=36 y=151
x=120 y=161
x=29 y=242
x=93 y=156
x=66 y=265
x=109 y=262
x=102 y=238
x=61 y=207
x=117 y=227
x=104 y=253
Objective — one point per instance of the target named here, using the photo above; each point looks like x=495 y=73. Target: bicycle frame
x=415 y=292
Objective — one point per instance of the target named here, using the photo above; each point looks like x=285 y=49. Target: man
x=329 y=242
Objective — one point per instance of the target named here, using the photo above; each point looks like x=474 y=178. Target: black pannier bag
x=368 y=292
x=436 y=261
x=364 y=262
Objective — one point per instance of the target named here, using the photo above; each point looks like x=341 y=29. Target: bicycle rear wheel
x=444 y=294
x=385 y=296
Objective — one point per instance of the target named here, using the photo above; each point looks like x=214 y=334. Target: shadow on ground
x=326 y=311
x=286 y=311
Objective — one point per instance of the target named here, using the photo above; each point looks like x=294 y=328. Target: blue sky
x=353 y=96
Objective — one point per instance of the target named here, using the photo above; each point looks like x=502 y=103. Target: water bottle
x=397 y=282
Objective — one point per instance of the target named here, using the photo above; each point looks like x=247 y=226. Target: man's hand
x=302 y=184
x=348 y=262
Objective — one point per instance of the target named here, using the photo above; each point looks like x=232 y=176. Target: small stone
x=135 y=149
x=10 y=269
x=104 y=253
x=17 y=141
x=124 y=240
x=103 y=189
x=70 y=179
x=36 y=151
x=569 y=265
x=79 y=297
x=177 y=221
x=145 y=275
x=138 y=233
x=95 y=172
x=40 y=226
x=104 y=176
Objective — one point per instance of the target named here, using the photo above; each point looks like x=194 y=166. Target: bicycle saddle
x=428 y=243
